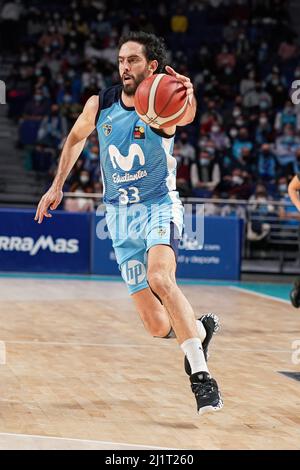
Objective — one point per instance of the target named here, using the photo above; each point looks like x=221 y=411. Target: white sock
x=192 y=348
x=201 y=330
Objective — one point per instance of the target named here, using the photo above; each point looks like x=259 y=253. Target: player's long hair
x=154 y=47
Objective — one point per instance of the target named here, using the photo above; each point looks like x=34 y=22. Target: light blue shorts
x=135 y=229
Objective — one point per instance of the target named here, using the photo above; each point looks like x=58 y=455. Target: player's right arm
x=73 y=147
x=293 y=189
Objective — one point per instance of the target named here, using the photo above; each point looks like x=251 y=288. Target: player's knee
x=161 y=283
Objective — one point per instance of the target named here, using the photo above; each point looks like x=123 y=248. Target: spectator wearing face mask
x=286 y=116
x=52 y=39
x=267 y=164
x=257 y=98
x=248 y=83
x=236 y=184
x=259 y=210
x=240 y=142
x=186 y=149
x=91 y=159
x=53 y=128
x=286 y=147
x=82 y=186
x=246 y=161
x=261 y=202
x=210 y=117
x=225 y=58
x=219 y=138
x=263 y=129
x=37 y=107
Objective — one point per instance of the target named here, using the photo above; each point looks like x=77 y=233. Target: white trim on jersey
x=171 y=164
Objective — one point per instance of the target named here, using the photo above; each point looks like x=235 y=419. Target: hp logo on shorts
x=133 y=272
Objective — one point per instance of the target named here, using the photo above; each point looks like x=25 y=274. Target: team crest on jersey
x=161 y=231
x=107 y=128
x=139 y=132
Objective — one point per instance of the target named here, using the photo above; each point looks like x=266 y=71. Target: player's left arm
x=190 y=112
x=293 y=189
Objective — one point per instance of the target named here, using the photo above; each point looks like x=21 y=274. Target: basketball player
x=138 y=169
x=293 y=189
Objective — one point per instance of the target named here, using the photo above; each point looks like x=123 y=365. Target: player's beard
x=130 y=88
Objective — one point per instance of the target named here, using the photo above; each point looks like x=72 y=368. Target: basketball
x=161 y=100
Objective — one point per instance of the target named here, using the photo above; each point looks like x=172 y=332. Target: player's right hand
x=52 y=198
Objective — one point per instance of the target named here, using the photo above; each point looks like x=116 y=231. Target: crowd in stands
x=241 y=56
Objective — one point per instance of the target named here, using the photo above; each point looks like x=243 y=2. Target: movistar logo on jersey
x=123 y=162
x=28 y=244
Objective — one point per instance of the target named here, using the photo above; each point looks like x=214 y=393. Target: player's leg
x=153 y=314
x=156 y=321
x=161 y=278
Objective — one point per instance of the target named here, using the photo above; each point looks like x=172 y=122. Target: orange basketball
x=160 y=100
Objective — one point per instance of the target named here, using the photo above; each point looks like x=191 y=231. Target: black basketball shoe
x=211 y=324
x=206 y=392
x=295 y=294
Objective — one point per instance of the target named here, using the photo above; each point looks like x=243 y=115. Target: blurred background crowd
x=241 y=55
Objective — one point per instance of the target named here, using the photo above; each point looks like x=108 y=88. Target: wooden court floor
x=81 y=372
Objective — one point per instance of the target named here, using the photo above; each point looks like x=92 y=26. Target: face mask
x=93 y=156
x=24 y=58
x=233 y=133
x=71 y=74
x=47 y=50
x=215 y=129
x=282 y=188
x=84 y=179
x=38 y=98
x=67 y=99
x=236 y=113
x=237 y=180
x=297 y=73
x=240 y=122
x=204 y=161
x=228 y=70
x=263 y=121
x=38 y=72
x=263 y=105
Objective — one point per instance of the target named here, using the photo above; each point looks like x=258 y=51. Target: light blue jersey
x=136 y=161
x=143 y=208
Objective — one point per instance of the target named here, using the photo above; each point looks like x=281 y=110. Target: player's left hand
x=184 y=80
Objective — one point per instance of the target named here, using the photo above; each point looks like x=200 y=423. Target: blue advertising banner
x=103 y=256
x=220 y=255
x=58 y=245
x=218 y=258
